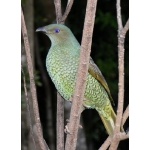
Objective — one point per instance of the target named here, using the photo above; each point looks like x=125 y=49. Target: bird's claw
x=66 y=130
x=68 y=121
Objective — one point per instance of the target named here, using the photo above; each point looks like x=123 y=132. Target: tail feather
x=109 y=123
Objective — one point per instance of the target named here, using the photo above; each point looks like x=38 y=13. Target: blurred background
x=104 y=53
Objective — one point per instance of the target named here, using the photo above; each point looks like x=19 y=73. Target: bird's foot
x=68 y=121
x=66 y=130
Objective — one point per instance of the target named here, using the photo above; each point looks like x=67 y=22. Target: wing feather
x=96 y=73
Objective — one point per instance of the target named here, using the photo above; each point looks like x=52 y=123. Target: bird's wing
x=96 y=73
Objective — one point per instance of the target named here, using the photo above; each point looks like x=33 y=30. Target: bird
x=62 y=63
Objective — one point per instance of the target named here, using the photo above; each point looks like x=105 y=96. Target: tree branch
x=60 y=100
x=121 y=70
x=123 y=136
x=119 y=18
x=126 y=28
x=58 y=11
x=60 y=122
x=120 y=136
x=68 y=8
x=28 y=108
x=47 y=96
x=81 y=75
x=106 y=144
x=121 y=38
x=41 y=141
x=125 y=116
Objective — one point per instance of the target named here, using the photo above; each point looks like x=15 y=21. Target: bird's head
x=56 y=32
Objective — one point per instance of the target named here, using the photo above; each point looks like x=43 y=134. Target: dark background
x=104 y=53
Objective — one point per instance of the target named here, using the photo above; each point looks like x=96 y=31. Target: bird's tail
x=109 y=123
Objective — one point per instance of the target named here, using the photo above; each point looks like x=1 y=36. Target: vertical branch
x=60 y=122
x=81 y=75
x=121 y=38
x=60 y=100
x=41 y=141
x=121 y=69
x=119 y=18
x=58 y=11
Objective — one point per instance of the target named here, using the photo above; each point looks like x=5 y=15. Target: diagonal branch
x=81 y=75
x=68 y=8
x=106 y=144
x=125 y=116
x=39 y=133
x=123 y=136
x=28 y=108
x=120 y=136
x=126 y=28
x=46 y=86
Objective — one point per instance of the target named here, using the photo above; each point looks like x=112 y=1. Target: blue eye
x=57 y=30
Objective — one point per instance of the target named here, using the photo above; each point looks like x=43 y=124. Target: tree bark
x=38 y=129
x=81 y=76
x=47 y=97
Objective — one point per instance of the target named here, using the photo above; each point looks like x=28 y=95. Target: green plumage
x=62 y=62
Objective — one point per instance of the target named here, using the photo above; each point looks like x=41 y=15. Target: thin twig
x=126 y=28
x=58 y=11
x=81 y=75
x=106 y=144
x=39 y=133
x=120 y=136
x=68 y=8
x=125 y=116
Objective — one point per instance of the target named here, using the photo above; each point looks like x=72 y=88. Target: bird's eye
x=57 y=30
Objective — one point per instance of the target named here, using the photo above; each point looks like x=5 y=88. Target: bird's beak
x=41 y=29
